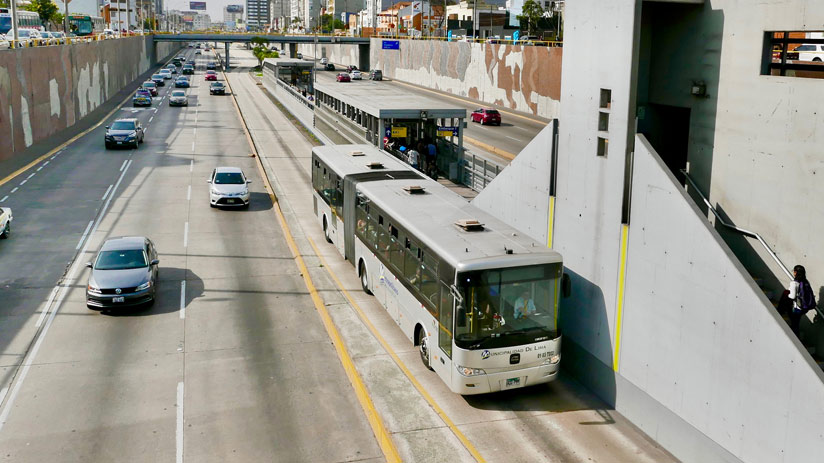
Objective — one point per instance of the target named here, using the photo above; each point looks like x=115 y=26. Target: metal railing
x=743 y=231
x=6 y=43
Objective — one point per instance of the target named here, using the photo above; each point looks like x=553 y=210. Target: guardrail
x=742 y=231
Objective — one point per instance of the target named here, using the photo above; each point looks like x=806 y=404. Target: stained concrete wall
x=521 y=78
x=682 y=342
x=47 y=89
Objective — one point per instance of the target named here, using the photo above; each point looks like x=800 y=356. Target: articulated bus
x=83 y=25
x=25 y=20
x=477 y=297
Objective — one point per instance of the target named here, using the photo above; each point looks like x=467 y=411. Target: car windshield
x=229 y=178
x=188 y=66
x=211 y=73
x=217 y=85
x=178 y=94
x=157 y=76
x=149 y=84
x=123 y=125
x=121 y=260
x=507 y=307
x=142 y=93
x=492 y=111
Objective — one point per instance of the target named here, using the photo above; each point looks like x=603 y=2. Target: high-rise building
x=202 y=22
x=296 y=14
x=281 y=12
x=257 y=14
x=232 y=16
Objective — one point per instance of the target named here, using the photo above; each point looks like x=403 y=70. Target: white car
x=810 y=52
x=4 y=43
x=167 y=74
x=324 y=61
x=355 y=75
x=5 y=222
x=228 y=187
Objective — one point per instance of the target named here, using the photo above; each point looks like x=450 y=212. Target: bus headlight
x=552 y=359
x=466 y=371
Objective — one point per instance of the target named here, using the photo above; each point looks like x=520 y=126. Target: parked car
x=376 y=74
x=178 y=98
x=211 y=65
x=182 y=82
x=211 y=75
x=142 y=97
x=343 y=77
x=229 y=187
x=150 y=86
x=188 y=69
x=329 y=67
x=486 y=116
x=217 y=88
x=159 y=80
x=355 y=75
x=810 y=52
x=124 y=132
x=5 y=222
x=27 y=37
x=123 y=274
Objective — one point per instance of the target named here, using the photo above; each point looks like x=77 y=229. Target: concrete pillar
x=226 y=64
x=363 y=56
x=293 y=50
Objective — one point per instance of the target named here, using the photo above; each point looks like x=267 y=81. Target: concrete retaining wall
x=521 y=78
x=48 y=89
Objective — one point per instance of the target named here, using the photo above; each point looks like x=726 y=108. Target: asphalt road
x=232 y=363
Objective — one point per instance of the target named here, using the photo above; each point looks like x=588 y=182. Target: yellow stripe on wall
x=620 y=302
x=550 y=221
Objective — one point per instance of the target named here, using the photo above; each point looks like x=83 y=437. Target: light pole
x=15 y=34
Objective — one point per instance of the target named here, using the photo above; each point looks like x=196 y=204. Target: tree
x=327 y=23
x=531 y=13
x=261 y=53
x=46 y=9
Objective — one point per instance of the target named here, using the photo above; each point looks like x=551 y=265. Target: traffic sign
x=391 y=44
x=447 y=131
x=398 y=132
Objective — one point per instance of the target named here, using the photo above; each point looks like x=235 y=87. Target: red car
x=211 y=75
x=486 y=116
x=343 y=77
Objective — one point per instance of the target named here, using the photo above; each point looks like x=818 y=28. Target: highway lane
x=232 y=362
x=561 y=421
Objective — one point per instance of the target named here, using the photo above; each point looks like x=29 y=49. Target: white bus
x=25 y=20
x=478 y=298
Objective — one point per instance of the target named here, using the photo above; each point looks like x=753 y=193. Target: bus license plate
x=513 y=382
x=123 y=299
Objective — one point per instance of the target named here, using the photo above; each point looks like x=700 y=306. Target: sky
x=213 y=7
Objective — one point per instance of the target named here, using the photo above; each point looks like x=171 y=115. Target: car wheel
x=6 y=231
x=423 y=348
x=326 y=230
x=817 y=59
x=364 y=278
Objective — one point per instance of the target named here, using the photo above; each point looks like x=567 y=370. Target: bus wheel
x=364 y=278
x=423 y=347
x=326 y=230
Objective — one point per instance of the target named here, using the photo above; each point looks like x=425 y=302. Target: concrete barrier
x=46 y=90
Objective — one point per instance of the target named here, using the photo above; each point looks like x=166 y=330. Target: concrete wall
x=521 y=78
x=47 y=89
x=664 y=322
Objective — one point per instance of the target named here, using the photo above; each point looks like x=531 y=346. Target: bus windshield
x=81 y=25
x=5 y=24
x=507 y=307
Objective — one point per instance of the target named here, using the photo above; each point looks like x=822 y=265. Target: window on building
x=793 y=54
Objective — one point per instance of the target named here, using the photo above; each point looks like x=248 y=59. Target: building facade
x=257 y=15
x=232 y=16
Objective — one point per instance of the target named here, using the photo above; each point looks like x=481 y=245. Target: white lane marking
x=186 y=235
x=23 y=182
x=183 y=299
x=46 y=163
x=107 y=193
x=195 y=131
x=14 y=189
x=179 y=428
x=68 y=282
x=85 y=232
x=122 y=166
x=513 y=138
x=3 y=393
x=32 y=175
x=191 y=165
x=145 y=130
x=46 y=307
x=52 y=158
x=40 y=168
x=151 y=118
x=189 y=193
x=193 y=146
x=4 y=198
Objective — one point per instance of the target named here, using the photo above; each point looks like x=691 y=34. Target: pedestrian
x=413 y=156
x=801 y=293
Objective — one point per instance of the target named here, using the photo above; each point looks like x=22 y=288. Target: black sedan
x=126 y=133
x=211 y=66
x=123 y=274
x=217 y=88
x=182 y=82
x=188 y=69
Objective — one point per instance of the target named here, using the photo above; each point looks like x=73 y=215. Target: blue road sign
x=391 y=44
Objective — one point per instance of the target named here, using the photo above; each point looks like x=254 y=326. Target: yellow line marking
x=532 y=119
x=63 y=145
x=550 y=221
x=468 y=445
x=620 y=303
x=390 y=452
x=489 y=148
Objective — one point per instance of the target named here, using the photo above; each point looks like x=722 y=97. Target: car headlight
x=108 y=137
x=93 y=289
x=552 y=359
x=466 y=371
x=215 y=192
x=146 y=285
x=244 y=193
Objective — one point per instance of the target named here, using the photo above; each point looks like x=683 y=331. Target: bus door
x=349 y=219
x=442 y=337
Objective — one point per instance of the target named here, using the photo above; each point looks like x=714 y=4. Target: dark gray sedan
x=124 y=274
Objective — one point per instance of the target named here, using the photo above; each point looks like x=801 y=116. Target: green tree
x=259 y=41
x=46 y=9
x=531 y=13
x=261 y=53
x=327 y=23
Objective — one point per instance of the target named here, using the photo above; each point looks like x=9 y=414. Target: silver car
x=123 y=274
x=178 y=98
x=229 y=187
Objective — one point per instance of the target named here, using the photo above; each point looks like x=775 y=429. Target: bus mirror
x=566 y=285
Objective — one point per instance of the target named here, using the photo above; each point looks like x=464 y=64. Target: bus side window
x=360 y=212
x=383 y=239
x=411 y=266
x=445 y=312
x=395 y=250
x=371 y=232
x=429 y=278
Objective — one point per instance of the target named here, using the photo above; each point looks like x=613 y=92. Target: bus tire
x=423 y=348
x=326 y=230
x=364 y=278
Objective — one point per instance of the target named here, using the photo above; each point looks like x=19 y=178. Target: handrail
x=749 y=233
